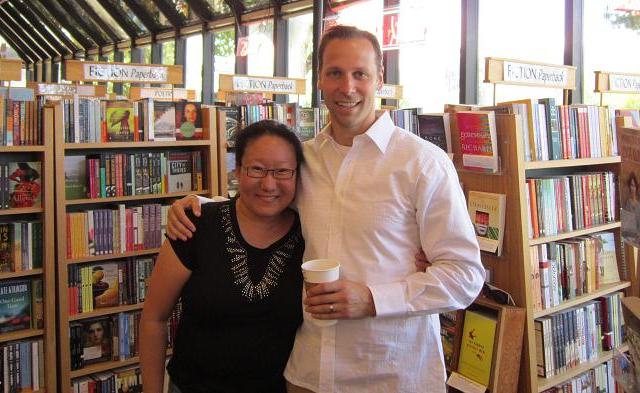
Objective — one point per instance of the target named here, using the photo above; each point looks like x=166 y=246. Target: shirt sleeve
x=456 y=274
x=185 y=250
x=216 y=198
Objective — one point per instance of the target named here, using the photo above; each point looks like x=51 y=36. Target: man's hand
x=178 y=224
x=421 y=261
x=341 y=299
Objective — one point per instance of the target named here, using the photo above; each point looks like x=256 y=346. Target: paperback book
x=434 y=127
x=15 y=305
x=487 y=212
x=476 y=348
x=119 y=121
x=23 y=182
x=164 y=121
x=478 y=140
x=188 y=120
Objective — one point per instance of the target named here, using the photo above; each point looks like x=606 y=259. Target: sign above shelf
x=88 y=71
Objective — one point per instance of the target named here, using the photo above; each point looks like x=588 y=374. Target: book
x=6 y=248
x=487 y=213
x=164 y=121
x=15 y=305
x=478 y=140
x=231 y=116
x=607 y=260
x=188 y=120
x=180 y=171
x=75 y=177
x=97 y=339
x=104 y=284
x=434 y=128
x=476 y=348
x=119 y=121
x=306 y=124
x=24 y=184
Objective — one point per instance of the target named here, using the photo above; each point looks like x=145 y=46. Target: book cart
x=206 y=147
x=242 y=84
x=623 y=83
x=512 y=271
x=43 y=304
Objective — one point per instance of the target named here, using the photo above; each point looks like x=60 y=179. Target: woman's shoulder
x=209 y=213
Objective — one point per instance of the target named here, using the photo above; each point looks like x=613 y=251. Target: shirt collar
x=380 y=133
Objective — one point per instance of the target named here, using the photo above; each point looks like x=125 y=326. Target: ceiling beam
x=41 y=27
x=75 y=33
x=170 y=13
x=46 y=19
x=237 y=9
x=86 y=25
x=143 y=15
x=15 y=47
x=122 y=20
x=22 y=35
x=17 y=42
x=201 y=10
x=31 y=31
x=98 y=21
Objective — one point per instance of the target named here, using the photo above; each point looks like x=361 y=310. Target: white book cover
x=487 y=213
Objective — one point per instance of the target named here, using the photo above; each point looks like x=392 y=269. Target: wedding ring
x=331 y=308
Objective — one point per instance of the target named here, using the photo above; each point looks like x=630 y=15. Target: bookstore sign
x=535 y=74
x=251 y=84
x=125 y=73
x=624 y=83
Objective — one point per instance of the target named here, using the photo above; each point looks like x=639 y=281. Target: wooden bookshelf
x=46 y=214
x=208 y=149
x=546 y=383
x=511 y=271
x=604 y=290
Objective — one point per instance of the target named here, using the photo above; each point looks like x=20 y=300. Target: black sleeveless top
x=241 y=307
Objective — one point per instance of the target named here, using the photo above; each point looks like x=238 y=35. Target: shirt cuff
x=389 y=299
x=204 y=200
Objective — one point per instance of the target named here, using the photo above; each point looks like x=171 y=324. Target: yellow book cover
x=487 y=213
x=476 y=348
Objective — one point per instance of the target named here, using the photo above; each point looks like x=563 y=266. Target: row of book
x=560 y=204
x=18 y=117
x=108 y=284
x=110 y=338
x=432 y=127
x=20 y=185
x=564 y=270
x=21 y=305
x=114 y=231
x=597 y=380
x=20 y=246
x=124 y=174
x=576 y=336
x=91 y=120
x=21 y=368
x=120 y=380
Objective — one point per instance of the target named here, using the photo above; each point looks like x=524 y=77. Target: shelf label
x=125 y=73
x=387 y=91
x=167 y=94
x=626 y=83
x=535 y=74
x=66 y=90
x=245 y=83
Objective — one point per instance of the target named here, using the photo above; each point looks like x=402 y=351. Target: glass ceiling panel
x=124 y=10
x=218 y=7
x=104 y=37
x=254 y=4
x=158 y=17
x=70 y=21
x=54 y=22
x=33 y=32
x=102 y=13
x=184 y=11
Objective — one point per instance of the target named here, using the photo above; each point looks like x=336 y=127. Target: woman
x=239 y=279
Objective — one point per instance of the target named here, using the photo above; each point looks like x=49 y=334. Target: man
x=370 y=194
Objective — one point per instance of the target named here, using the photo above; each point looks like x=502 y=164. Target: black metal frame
x=18 y=48
x=55 y=29
x=97 y=20
x=42 y=28
x=170 y=13
x=22 y=35
x=85 y=25
x=145 y=18
x=75 y=33
x=122 y=20
x=201 y=10
x=30 y=30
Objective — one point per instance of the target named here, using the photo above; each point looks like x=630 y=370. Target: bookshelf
x=512 y=270
x=43 y=152
x=70 y=314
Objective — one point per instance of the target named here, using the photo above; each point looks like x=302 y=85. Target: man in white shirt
x=370 y=194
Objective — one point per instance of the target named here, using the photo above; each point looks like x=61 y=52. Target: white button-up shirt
x=372 y=207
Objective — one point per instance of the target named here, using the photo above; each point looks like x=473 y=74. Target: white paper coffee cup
x=318 y=271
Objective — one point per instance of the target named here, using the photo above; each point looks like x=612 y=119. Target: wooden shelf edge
x=96 y=258
x=20 y=334
x=568 y=235
x=24 y=210
x=105 y=311
x=134 y=145
x=106 y=366
x=133 y=197
x=546 y=383
x=22 y=149
x=24 y=273
x=606 y=289
x=552 y=164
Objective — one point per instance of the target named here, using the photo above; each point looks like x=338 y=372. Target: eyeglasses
x=277 y=173
x=498 y=295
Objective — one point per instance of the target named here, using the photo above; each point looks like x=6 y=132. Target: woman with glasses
x=238 y=278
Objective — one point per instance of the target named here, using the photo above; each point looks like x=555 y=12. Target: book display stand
x=37 y=320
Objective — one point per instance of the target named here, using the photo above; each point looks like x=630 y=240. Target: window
x=365 y=15
x=224 y=56
x=300 y=53
x=428 y=40
x=608 y=31
x=169 y=52
x=193 y=65
x=519 y=30
x=260 y=49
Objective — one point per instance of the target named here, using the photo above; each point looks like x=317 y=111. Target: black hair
x=262 y=128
